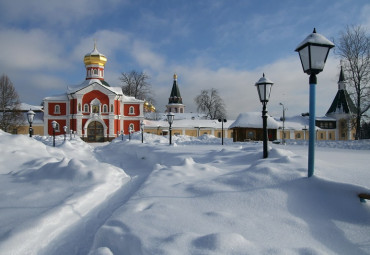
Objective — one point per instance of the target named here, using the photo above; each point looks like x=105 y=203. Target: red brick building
x=93 y=110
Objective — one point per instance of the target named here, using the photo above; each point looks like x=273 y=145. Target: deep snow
x=194 y=197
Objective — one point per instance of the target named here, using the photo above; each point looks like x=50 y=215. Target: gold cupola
x=94 y=63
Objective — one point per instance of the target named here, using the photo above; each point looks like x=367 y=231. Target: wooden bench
x=363 y=197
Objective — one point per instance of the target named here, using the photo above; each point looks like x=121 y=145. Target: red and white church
x=93 y=110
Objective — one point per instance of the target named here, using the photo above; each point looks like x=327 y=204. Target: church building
x=343 y=111
x=93 y=110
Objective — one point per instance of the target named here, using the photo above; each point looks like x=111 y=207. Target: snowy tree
x=210 y=103
x=353 y=47
x=10 y=116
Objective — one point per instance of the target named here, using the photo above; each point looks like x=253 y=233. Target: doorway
x=95 y=132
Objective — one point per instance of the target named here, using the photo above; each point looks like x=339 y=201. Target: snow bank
x=46 y=190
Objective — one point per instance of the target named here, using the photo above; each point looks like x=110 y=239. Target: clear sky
x=225 y=45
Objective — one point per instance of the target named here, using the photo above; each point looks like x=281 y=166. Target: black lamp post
x=264 y=89
x=53 y=125
x=122 y=135
x=222 y=129
x=65 y=132
x=142 y=131
x=313 y=52
x=283 y=119
x=30 y=116
x=170 y=117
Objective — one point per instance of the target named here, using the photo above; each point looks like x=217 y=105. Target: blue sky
x=225 y=45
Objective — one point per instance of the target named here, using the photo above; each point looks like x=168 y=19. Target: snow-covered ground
x=193 y=197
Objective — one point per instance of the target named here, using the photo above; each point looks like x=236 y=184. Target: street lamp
x=129 y=133
x=122 y=135
x=54 y=125
x=283 y=119
x=65 y=132
x=170 y=117
x=142 y=131
x=313 y=52
x=30 y=116
x=264 y=86
x=222 y=129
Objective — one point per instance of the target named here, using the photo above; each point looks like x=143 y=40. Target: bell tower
x=175 y=104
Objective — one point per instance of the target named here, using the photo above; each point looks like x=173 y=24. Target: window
x=95 y=71
x=131 y=110
x=298 y=136
x=79 y=107
x=330 y=137
x=111 y=108
x=86 y=108
x=105 y=108
x=57 y=109
x=322 y=136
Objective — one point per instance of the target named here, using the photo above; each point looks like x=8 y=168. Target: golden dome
x=95 y=58
x=175 y=76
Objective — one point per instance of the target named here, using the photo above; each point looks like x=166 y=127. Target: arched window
x=95 y=71
x=57 y=109
x=105 y=108
x=86 y=108
x=298 y=136
x=131 y=110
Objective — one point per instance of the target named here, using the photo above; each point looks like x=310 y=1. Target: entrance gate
x=95 y=132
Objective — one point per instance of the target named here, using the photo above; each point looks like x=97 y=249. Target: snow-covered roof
x=86 y=83
x=187 y=123
x=253 y=120
x=60 y=97
x=129 y=99
x=27 y=107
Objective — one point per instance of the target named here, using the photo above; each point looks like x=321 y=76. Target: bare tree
x=136 y=84
x=353 y=47
x=11 y=117
x=210 y=103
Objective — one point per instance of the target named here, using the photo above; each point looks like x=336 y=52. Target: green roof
x=342 y=103
x=175 y=97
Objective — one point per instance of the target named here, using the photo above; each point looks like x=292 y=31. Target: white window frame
x=105 y=108
x=86 y=106
x=57 y=109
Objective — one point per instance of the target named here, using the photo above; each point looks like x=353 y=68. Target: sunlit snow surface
x=193 y=197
